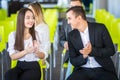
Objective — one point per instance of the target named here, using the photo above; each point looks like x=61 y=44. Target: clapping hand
x=36 y=46
x=66 y=45
x=32 y=48
x=86 y=50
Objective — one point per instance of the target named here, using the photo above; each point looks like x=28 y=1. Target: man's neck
x=83 y=26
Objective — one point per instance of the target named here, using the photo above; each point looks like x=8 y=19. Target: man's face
x=72 y=20
x=75 y=3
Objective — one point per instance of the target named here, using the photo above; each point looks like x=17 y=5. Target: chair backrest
x=9 y=26
x=2 y=39
x=3 y=14
x=51 y=17
x=118 y=27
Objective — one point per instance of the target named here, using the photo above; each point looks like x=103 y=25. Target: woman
x=41 y=27
x=23 y=45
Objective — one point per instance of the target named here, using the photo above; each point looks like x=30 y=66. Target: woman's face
x=30 y=7
x=29 y=19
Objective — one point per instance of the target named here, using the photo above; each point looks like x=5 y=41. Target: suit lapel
x=79 y=40
x=91 y=33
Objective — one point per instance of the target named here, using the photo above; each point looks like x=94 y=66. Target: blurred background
x=104 y=11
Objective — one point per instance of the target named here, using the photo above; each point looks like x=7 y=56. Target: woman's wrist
x=25 y=51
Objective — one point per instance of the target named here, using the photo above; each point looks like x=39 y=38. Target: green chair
x=118 y=27
x=9 y=26
x=51 y=18
x=2 y=47
x=13 y=17
x=108 y=18
x=2 y=39
x=114 y=31
x=99 y=13
x=3 y=14
x=44 y=66
x=63 y=65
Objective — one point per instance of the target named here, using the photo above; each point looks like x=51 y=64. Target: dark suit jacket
x=102 y=47
x=64 y=30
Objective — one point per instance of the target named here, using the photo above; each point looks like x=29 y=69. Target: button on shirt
x=91 y=63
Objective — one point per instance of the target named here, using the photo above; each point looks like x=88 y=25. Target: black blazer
x=64 y=30
x=102 y=47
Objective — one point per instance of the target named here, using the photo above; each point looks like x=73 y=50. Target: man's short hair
x=77 y=0
x=77 y=10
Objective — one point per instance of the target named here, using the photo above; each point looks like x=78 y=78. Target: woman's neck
x=26 y=34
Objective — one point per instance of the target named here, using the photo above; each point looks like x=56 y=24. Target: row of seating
x=51 y=18
x=112 y=24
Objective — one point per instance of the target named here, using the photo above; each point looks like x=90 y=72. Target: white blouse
x=42 y=35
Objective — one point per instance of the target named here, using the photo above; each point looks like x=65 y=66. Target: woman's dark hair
x=19 y=38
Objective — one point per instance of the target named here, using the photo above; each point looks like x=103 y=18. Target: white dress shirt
x=42 y=34
x=91 y=63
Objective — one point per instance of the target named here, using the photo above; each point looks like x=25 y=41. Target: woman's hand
x=36 y=46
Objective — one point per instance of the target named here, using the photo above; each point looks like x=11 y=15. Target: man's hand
x=66 y=45
x=86 y=50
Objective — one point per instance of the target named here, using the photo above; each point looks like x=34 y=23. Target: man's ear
x=79 y=17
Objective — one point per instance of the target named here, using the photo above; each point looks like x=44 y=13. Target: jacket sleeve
x=76 y=58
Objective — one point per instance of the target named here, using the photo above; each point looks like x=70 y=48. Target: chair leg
x=62 y=68
x=7 y=58
x=46 y=72
x=55 y=47
x=118 y=67
x=2 y=66
x=54 y=57
x=51 y=65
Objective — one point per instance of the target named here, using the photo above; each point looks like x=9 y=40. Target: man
x=90 y=48
x=87 y=4
x=65 y=29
